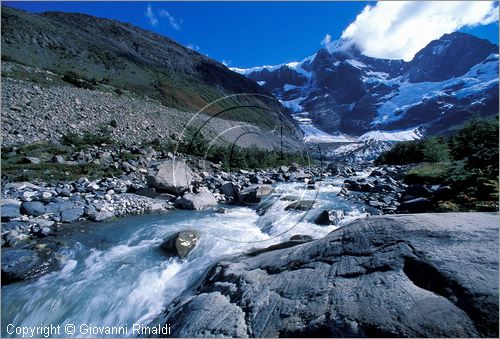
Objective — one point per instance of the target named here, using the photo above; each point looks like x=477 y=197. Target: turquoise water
x=115 y=275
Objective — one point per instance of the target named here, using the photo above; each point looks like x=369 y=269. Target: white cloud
x=153 y=20
x=163 y=13
x=173 y=22
x=328 y=43
x=193 y=47
x=399 y=29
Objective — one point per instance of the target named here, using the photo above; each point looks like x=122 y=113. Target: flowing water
x=115 y=274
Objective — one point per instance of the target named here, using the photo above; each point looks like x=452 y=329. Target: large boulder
x=180 y=244
x=198 y=201
x=10 y=211
x=72 y=214
x=229 y=189
x=171 y=176
x=426 y=275
x=27 y=263
x=301 y=205
x=254 y=194
x=34 y=208
x=417 y=205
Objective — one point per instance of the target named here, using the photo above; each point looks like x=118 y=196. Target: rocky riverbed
x=427 y=275
x=158 y=182
x=58 y=236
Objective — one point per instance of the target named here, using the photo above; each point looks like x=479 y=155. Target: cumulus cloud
x=399 y=29
x=173 y=22
x=163 y=13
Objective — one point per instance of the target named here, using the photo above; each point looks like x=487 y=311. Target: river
x=115 y=275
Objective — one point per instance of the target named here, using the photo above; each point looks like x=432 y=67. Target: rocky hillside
x=399 y=276
x=91 y=57
x=449 y=81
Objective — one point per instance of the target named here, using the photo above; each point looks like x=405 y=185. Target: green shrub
x=102 y=136
x=429 y=173
x=74 y=79
x=236 y=157
x=466 y=161
x=54 y=172
x=432 y=149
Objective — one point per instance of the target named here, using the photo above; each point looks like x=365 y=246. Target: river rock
x=416 y=205
x=198 y=201
x=229 y=189
x=417 y=190
x=171 y=176
x=34 y=208
x=101 y=216
x=301 y=205
x=10 y=211
x=322 y=218
x=22 y=264
x=426 y=275
x=255 y=193
x=180 y=244
x=72 y=214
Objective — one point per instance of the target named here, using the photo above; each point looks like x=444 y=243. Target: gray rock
x=255 y=193
x=301 y=205
x=321 y=217
x=72 y=214
x=22 y=264
x=417 y=190
x=301 y=237
x=229 y=189
x=42 y=222
x=427 y=275
x=198 y=201
x=180 y=244
x=443 y=193
x=101 y=216
x=171 y=176
x=46 y=196
x=34 y=208
x=284 y=169
x=256 y=179
x=30 y=160
x=59 y=159
x=417 y=205
x=10 y=212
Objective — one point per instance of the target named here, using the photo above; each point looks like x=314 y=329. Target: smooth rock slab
x=426 y=275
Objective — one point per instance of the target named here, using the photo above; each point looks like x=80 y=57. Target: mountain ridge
x=345 y=92
x=102 y=53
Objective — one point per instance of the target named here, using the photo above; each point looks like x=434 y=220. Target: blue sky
x=242 y=34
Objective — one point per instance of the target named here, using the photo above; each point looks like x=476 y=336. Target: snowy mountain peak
x=341 y=92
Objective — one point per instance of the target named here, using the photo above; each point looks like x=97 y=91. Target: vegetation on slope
x=90 y=52
x=467 y=162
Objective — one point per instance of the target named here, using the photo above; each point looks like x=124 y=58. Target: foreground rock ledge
x=425 y=275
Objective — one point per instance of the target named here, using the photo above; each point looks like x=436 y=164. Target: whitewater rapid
x=115 y=275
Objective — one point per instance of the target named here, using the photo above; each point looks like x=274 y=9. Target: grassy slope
x=130 y=58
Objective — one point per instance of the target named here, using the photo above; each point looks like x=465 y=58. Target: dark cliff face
x=351 y=93
x=450 y=56
x=132 y=59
